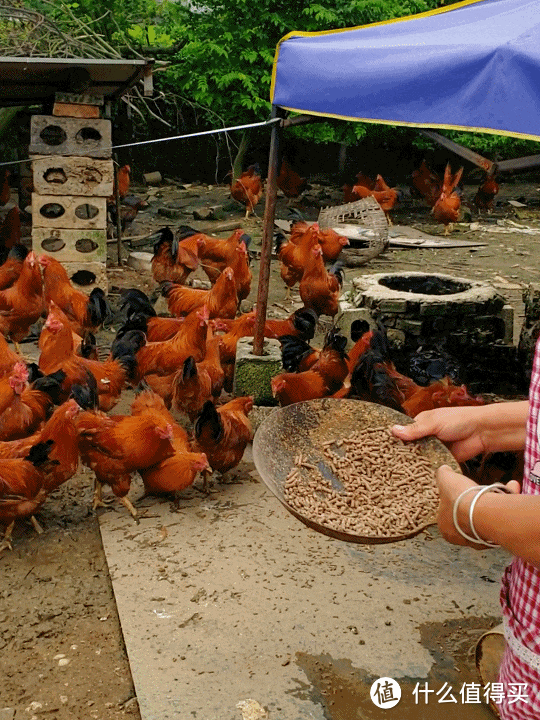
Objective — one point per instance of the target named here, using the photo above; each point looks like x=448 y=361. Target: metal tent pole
x=268 y=233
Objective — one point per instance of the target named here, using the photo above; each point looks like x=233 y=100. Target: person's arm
x=512 y=521
x=469 y=431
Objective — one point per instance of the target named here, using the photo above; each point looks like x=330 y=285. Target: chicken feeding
x=376 y=379
x=223 y=433
x=22 y=488
x=178 y=471
x=248 y=189
x=324 y=377
x=116 y=446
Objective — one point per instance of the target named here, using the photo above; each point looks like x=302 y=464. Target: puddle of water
x=344 y=691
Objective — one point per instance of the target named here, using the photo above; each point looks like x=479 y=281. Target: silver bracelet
x=480 y=490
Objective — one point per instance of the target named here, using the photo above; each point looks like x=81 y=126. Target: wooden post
x=118 y=216
x=268 y=233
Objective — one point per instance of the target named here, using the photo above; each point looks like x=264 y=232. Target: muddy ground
x=60 y=640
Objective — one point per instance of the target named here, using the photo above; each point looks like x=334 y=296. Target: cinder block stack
x=72 y=179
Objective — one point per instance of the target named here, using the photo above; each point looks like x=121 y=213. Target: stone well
x=469 y=316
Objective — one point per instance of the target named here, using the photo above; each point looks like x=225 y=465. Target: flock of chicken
x=443 y=195
x=53 y=414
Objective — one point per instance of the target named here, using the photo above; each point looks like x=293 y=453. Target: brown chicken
x=60 y=431
x=192 y=387
x=218 y=253
x=361 y=179
x=242 y=272
x=441 y=393
x=248 y=189
x=223 y=433
x=427 y=183
x=174 y=260
x=234 y=330
x=485 y=195
x=319 y=288
x=22 y=304
x=221 y=300
x=330 y=241
x=29 y=405
x=12 y=266
x=8 y=358
x=290 y=183
x=212 y=362
x=129 y=210
x=122 y=177
x=58 y=353
x=85 y=312
x=116 y=446
x=386 y=196
x=177 y=472
x=376 y=379
x=293 y=253
x=164 y=358
x=446 y=209
x=325 y=376
x=10 y=230
x=5 y=191
x=140 y=315
x=22 y=489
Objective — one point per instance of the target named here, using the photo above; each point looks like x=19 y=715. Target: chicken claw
x=37 y=526
x=133 y=512
x=6 y=541
x=98 y=497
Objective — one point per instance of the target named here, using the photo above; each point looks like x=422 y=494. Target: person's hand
x=459 y=428
x=451 y=484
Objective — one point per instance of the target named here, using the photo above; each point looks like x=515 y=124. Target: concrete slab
x=231 y=598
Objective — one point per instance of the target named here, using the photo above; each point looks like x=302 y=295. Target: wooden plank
x=519 y=163
x=75 y=111
x=70 y=136
x=73 y=211
x=73 y=176
x=68 y=245
x=460 y=150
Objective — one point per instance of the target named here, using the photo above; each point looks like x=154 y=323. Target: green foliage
x=220 y=55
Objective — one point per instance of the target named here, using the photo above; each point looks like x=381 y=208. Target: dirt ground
x=62 y=648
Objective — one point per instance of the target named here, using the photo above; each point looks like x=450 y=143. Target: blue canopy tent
x=474 y=66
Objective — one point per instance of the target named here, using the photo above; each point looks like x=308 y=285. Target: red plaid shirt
x=520 y=592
